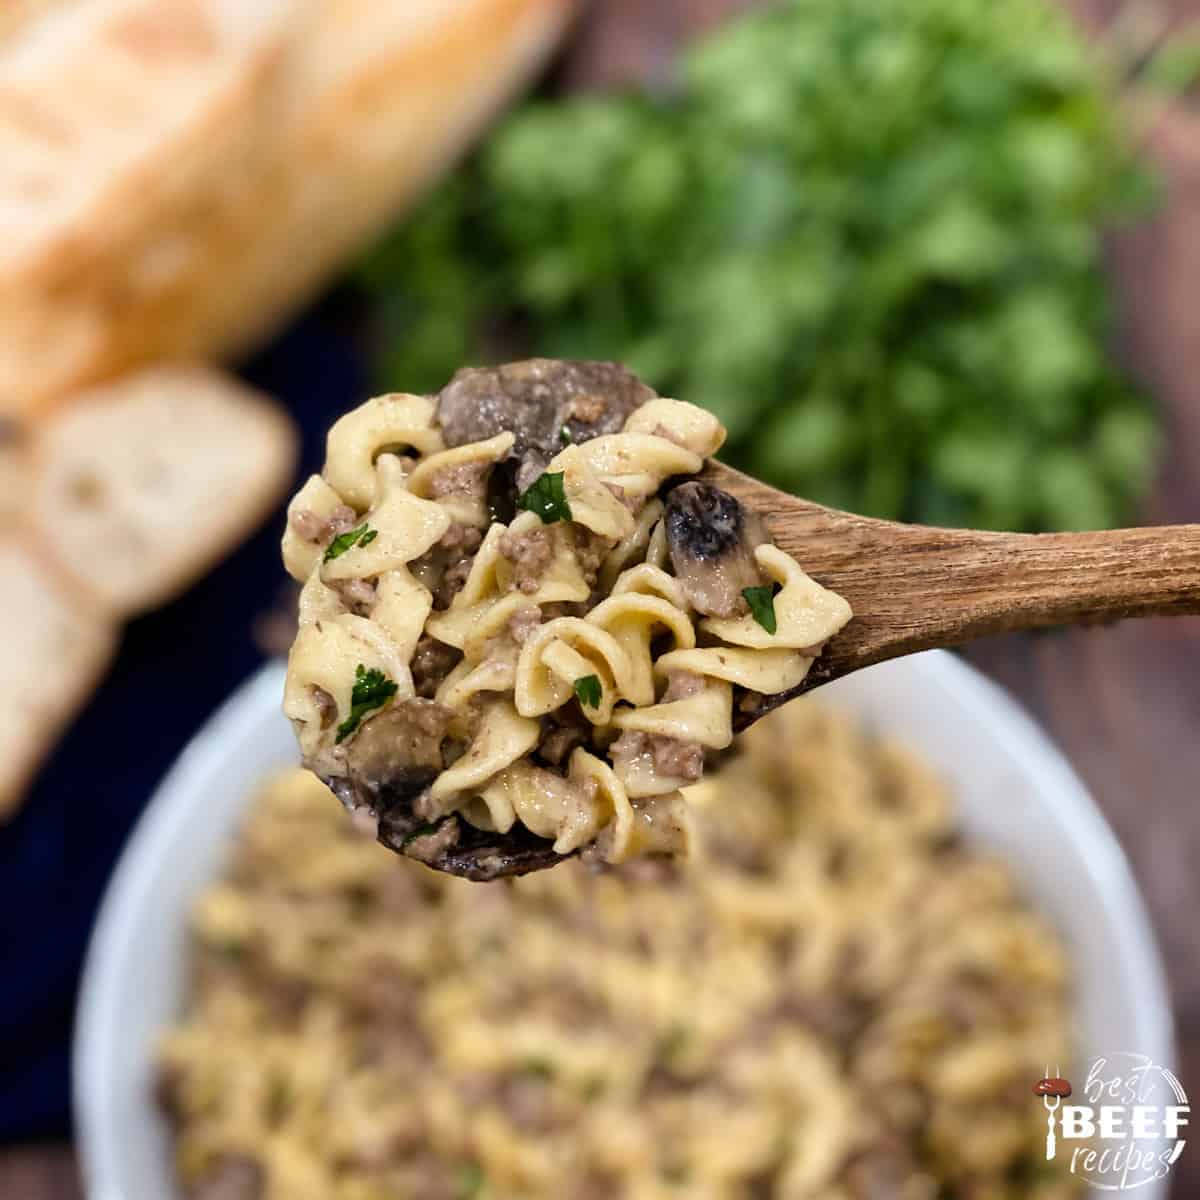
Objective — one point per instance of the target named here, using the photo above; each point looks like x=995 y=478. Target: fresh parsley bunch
x=865 y=234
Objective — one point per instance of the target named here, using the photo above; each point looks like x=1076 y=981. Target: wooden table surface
x=1123 y=701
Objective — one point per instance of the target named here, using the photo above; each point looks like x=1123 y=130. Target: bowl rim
x=110 y=948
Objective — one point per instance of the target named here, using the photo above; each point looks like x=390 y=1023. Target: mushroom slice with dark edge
x=712 y=539
x=394 y=756
x=452 y=845
x=389 y=766
x=544 y=402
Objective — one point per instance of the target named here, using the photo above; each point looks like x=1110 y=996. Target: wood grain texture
x=915 y=587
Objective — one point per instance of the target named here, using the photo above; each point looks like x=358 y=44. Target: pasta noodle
x=831 y=1000
x=464 y=639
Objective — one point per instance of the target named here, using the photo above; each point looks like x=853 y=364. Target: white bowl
x=1017 y=797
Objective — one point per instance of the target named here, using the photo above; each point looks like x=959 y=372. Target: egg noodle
x=831 y=998
x=566 y=624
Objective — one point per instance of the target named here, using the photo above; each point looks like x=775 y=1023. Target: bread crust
x=310 y=129
x=54 y=618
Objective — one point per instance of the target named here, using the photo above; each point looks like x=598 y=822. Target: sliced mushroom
x=457 y=848
x=543 y=401
x=712 y=539
x=393 y=758
x=387 y=770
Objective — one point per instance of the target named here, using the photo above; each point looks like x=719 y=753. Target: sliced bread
x=122 y=122
x=181 y=174
x=56 y=649
x=141 y=485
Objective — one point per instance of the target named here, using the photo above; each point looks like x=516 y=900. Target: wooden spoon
x=915 y=587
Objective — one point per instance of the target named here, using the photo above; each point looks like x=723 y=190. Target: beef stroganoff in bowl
x=526 y=631
x=182 y=960
x=832 y=997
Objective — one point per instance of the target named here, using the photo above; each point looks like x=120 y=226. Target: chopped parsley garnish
x=232 y=949
x=984 y=266
x=372 y=689
x=762 y=606
x=364 y=535
x=279 y=1098
x=539 y=1068
x=545 y=496
x=469 y=1182
x=587 y=688
x=672 y=1043
x=419 y=832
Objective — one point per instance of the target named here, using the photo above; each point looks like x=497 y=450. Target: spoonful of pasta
x=532 y=606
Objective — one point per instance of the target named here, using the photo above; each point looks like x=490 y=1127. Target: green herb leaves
x=469 y=1183
x=372 y=689
x=901 y=317
x=420 y=832
x=363 y=535
x=588 y=690
x=546 y=497
x=762 y=605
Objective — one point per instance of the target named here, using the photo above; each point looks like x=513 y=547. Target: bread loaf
x=212 y=162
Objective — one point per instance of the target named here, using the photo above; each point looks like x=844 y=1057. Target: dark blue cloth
x=174 y=667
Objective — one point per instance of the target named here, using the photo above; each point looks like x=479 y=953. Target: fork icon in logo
x=1052 y=1088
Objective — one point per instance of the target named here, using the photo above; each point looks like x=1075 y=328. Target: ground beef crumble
x=358 y=595
x=452 y=582
x=463 y=538
x=462 y=478
x=670 y=757
x=444 y=568
x=312 y=527
x=523 y=622
x=431 y=662
x=530 y=554
x=561 y=734
x=591 y=549
x=676 y=758
x=681 y=684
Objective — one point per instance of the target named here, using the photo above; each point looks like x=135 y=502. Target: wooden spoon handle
x=913 y=588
